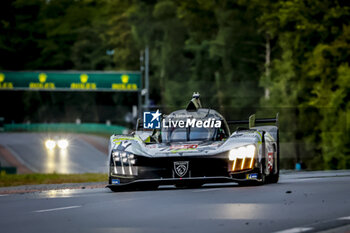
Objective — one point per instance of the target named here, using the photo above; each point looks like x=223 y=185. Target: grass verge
x=7 y=180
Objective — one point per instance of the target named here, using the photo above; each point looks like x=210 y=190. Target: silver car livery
x=192 y=147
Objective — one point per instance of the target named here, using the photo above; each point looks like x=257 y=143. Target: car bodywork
x=248 y=155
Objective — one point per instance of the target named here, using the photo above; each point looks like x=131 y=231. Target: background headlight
x=63 y=143
x=50 y=144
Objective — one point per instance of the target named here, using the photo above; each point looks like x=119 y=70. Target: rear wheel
x=262 y=179
x=273 y=178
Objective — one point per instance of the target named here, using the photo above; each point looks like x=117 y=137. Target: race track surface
x=301 y=202
x=84 y=154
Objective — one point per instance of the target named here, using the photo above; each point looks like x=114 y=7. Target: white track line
x=3 y=195
x=295 y=230
x=303 y=229
x=61 y=208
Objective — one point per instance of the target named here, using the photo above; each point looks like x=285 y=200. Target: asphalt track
x=300 y=202
x=84 y=154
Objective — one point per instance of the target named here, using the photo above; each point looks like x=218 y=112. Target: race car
x=192 y=147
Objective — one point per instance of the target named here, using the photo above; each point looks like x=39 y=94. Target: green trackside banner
x=70 y=81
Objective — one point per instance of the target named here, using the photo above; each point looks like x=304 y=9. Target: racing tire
x=262 y=180
x=262 y=175
x=272 y=179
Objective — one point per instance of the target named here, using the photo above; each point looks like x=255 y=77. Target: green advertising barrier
x=70 y=81
x=66 y=127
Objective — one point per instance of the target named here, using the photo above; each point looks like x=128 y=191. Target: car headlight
x=123 y=158
x=242 y=152
x=123 y=163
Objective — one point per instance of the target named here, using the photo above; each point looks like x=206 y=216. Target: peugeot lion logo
x=181 y=168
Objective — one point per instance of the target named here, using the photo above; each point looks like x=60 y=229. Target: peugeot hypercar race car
x=194 y=146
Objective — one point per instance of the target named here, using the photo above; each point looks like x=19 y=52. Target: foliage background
x=243 y=56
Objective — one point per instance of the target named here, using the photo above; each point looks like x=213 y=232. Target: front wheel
x=262 y=176
x=273 y=178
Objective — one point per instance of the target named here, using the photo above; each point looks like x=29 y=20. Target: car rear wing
x=253 y=121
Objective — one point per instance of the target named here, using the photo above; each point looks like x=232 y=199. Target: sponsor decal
x=84 y=84
x=152 y=146
x=123 y=145
x=253 y=176
x=125 y=85
x=115 y=181
x=5 y=85
x=42 y=83
x=179 y=148
x=151 y=120
x=181 y=168
x=270 y=160
x=187 y=147
x=127 y=138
